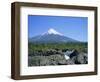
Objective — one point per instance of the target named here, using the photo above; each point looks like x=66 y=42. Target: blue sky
x=73 y=27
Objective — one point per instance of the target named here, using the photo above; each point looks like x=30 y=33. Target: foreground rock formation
x=57 y=57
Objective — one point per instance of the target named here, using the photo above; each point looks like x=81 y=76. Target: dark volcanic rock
x=71 y=53
x=82 y=58
x=74 y=53
x=64 y=50
x=79 y=59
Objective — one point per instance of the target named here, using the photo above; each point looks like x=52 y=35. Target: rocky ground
x=57 y=57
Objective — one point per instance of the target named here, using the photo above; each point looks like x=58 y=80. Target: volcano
x=51 y=36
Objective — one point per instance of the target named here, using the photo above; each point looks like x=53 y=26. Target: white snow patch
x=67 y=57
x=52 y=31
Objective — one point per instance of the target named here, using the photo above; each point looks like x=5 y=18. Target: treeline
x=81 y=47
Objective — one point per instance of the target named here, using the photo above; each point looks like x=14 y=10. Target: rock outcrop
x=57 y=57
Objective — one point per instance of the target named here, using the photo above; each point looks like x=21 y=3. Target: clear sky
x=73 y=27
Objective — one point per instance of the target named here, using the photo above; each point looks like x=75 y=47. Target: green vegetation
x=81 y=47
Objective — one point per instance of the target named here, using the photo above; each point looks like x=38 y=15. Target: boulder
x=62 y=62
x=71 y=53
x=74 y=53
x=82 y=59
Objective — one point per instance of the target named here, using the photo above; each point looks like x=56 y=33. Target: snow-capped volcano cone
x=51 y=36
